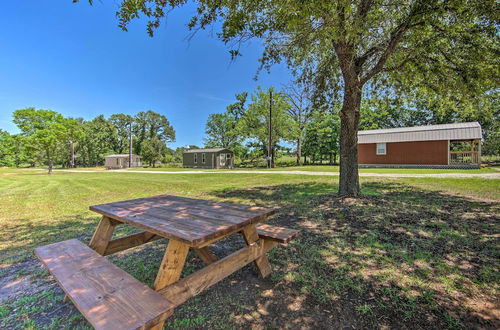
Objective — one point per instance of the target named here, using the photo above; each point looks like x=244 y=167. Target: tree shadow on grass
x=399 y=257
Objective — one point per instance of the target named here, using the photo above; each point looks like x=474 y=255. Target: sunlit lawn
x=413 y=252
x=330 y=168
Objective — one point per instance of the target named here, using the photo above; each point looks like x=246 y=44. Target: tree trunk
x=72 y=154
x=349 y=122
x=50 y=166
x=299 y=150
x=272 y=157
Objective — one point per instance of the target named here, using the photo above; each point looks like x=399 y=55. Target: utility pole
x=130 y=146
x=72 y=162
x=269 y=147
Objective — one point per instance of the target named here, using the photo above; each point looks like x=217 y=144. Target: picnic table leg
x=171 y=267
x=250 y=235
x=206 y=255
x=102 y=235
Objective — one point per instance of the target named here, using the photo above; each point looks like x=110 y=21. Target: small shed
x=121 y=161
x=208 y=158
x=449 y=145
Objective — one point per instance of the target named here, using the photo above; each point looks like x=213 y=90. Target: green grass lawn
x=412 y=252
x=329 y=168
x=307 y=168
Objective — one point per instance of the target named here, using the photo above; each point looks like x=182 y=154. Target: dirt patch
x=15 y=283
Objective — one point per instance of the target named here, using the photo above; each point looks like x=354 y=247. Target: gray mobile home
x=208 y=158
x=121 y=161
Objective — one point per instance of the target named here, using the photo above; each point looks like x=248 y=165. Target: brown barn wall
x=420 y=152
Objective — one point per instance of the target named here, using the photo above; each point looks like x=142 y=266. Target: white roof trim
x=206 y=150
x=457 y=131
x=121 y=156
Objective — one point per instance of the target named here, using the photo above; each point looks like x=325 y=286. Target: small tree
x=153 y=151
x=221 y=131
x=6 y=148
x=300 y=98
x=46 y=131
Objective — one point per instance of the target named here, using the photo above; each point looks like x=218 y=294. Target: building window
x=196 y=158
x=228 y=156
x=222 y=159
x=381 y=149
x=203 y=158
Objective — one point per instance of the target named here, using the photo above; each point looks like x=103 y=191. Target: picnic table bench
x=109 y=298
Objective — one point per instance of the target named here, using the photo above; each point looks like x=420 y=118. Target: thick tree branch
x=363 y=9
x=391 y=46
x=369 y=53
x=396 y=36
x=398 y=66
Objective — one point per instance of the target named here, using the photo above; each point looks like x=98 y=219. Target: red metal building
x=448 y=145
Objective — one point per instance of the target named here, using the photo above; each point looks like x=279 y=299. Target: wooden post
x=206 y=255
x=102 y=235
x=262 y=263
x=170 y=268
x=479 y=152
x=172 y=264
x=201 y=280
x=449 y=154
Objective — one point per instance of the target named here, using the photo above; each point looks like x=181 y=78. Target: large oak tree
x=350 y=46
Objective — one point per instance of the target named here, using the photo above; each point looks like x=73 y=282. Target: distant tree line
x=310 y=127
x=48 y=138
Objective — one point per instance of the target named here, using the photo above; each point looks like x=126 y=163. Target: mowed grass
x=412 y=252
x=334 y=169
x=37 y=208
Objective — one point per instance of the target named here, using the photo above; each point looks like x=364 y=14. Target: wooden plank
x=206 y=255
x=190 y=229
x=262 y=263
x=172 y=264
x=107 y=296
x=195 y=201
x=130 y=241
x=157 y=226
x=279 y=234
x=197 y=206
x=196 y=283
x=102 y=234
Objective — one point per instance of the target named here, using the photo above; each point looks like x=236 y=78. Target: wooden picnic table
x=189 y=223
x=109 y=298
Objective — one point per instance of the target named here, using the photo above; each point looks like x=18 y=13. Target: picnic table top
x=192 y=221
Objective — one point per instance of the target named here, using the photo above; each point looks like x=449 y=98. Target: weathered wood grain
x=102 y=234
x=130 y=241
x=205 y=255
x=192 y=221
x=262 y=263
x=279 y=234
x=172 y=264
x=196 y=283
x=107 y=296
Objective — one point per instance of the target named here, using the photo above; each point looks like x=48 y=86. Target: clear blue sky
x=72 y=58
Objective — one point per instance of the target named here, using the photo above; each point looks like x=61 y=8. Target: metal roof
x=457 y=131
x=120 y=156
x=206 y=150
